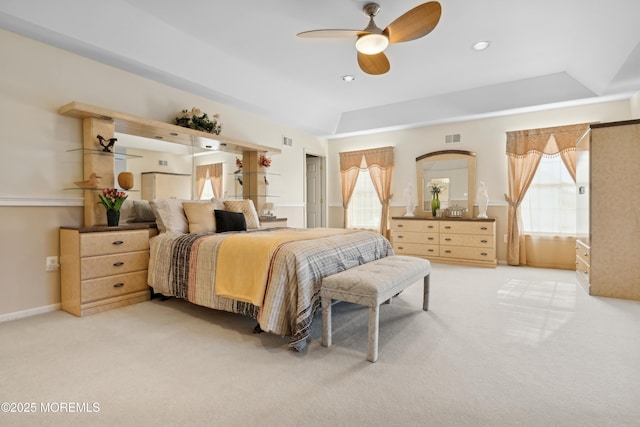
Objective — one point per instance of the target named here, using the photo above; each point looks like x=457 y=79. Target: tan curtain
x=379 y=162
x=215 y=176
x=213 y=171
x=525 y=148
x=201 y=175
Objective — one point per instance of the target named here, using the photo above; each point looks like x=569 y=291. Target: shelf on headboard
x=147 y=128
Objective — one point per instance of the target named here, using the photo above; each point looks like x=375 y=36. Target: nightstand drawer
x=113 y=286
x=107 y=265
x=113 y=242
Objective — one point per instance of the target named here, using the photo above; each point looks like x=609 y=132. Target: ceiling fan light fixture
x=372 y=43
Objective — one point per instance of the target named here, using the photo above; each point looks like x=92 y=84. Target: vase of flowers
x=196 y=119
x=112 y=200
x=435 y=197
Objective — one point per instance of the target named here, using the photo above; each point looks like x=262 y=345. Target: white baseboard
x=28 y=313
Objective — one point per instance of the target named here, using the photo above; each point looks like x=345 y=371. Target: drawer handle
x=430 y=250
x=400 y=236
x=577 y=247
x=585 y=272
x=431 y=226
x=118 y=285
x=118 y=242
x=484 y=254
x=447 y=227
x=586 y=254
x=483 y=228
x=118 y=264
x=400 y=247
x=447 y=252
x=483 y=241
x=429 y=238
x=400 y=225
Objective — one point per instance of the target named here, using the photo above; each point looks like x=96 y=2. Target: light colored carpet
x=499 y=347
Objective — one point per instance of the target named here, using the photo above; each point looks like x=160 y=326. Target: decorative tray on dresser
x=103 y=267
x=462 y=241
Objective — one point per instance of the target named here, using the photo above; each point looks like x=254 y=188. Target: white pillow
x=247 y=208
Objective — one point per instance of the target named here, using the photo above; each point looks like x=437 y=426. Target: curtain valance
x=381 y=157
x=548 y=141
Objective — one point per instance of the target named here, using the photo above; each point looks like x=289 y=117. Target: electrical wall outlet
x=53 y=263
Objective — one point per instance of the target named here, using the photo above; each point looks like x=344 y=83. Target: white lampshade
x=372 y=43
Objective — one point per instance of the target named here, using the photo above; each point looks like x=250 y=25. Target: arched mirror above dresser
x=453 y=235
x=454 y=171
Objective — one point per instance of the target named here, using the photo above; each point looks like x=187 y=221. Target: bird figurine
x=109 y=143
x=92 y=182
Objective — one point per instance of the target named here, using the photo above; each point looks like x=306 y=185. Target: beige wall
x=35 y=166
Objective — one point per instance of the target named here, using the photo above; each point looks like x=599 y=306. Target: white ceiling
x=245 y=53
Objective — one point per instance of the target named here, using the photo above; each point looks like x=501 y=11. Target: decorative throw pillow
x=127 y=211
x=200 y=217
x=247 y=208
x=143 y=211
x=169 y=215
x=229 y=221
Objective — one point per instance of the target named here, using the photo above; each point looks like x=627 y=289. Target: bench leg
x=425 y=297
x=374 y=317
x=326 y=321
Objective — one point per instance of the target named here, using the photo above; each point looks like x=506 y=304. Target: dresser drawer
x=583 y=269
x=108 y=265
x=416 y=249
x=473 y=240
x=459 y=252
x=113 y=242
x=113 y=286
x=583 y=251
x=468 y=227
x=412 y=237
x=424 y=226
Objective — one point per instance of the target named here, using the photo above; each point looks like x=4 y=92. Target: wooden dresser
x=460 y=241
x=103 y=267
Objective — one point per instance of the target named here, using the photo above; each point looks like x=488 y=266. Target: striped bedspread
x=184 y=265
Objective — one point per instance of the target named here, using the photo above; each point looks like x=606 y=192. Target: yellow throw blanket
x=243 y=261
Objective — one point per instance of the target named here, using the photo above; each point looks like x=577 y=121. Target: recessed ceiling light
x=481 y=45
x=348 y=78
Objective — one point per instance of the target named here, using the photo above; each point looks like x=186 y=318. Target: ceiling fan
x=372 y=41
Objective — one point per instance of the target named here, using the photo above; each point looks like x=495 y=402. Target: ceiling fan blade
x=374 y=64
x=328 y=34
x=416 y=23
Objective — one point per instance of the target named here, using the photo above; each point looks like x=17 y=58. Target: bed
x=186 y=266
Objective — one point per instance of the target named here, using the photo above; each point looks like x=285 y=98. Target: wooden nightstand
x=103 y=268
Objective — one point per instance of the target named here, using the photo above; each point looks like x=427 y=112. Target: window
x=365 y=208
x=549 y=207
x=207 y=191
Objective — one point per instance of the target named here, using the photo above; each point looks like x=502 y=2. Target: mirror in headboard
x=174 y=161
x=454 y=171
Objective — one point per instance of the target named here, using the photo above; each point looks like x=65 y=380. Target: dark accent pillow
x=229 y=221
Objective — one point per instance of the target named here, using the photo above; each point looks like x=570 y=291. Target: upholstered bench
x=371 y=284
